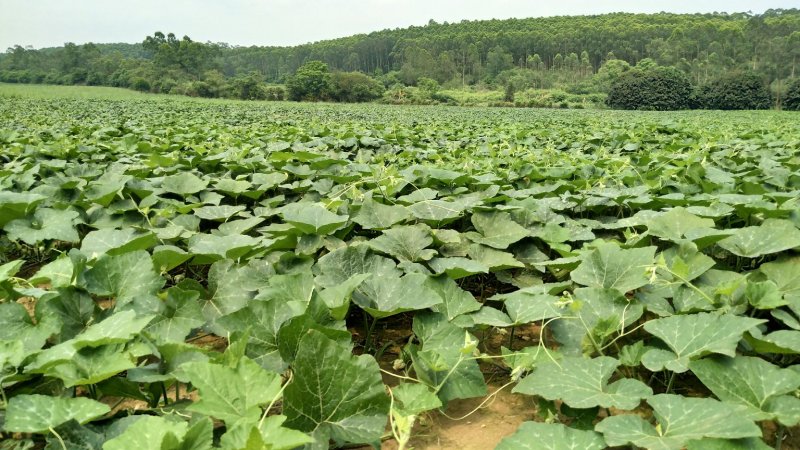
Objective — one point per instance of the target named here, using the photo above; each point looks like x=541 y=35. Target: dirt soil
x=483 y=429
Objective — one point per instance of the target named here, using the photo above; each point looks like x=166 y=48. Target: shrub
x=275 y=93
x=792 y=100
x=312 y=81
x=740 y=90
x=140 y=84
x=250 y=87
x=656 y=88
x=355 y=87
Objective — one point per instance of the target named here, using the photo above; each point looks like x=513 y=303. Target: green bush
x=741 y=90
x=656 y=88
x=354 y=87
x=140 y=84
x=312 y=81
x=275 y=93
x=250 y=87
x=792 y=100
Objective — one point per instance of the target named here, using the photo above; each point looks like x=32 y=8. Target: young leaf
x=414 y=398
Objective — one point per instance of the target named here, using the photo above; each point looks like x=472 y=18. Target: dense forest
x=577 y=54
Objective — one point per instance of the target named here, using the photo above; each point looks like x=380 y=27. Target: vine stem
x=58 y=436
x=687 y=283
x=275 y=399
x=779 y=436
x=670 y=382
x=489 y=398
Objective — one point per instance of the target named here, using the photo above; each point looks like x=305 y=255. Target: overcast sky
x=47 y=23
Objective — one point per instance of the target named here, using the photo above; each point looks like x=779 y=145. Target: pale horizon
x=51 y=23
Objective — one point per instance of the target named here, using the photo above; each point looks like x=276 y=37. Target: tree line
x=576 y=54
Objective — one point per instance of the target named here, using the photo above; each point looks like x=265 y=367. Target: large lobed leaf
x=334 y=394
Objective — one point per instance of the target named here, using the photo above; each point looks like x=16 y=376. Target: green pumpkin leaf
x=551 y=436
x=267 y=434
x=14 y=205
x=45 y=225
x=312 y=218
x=496 y=230
x=680 y=419
x=785 y=273
x=439 y=361
x=455 y=301
x=39 y=413
x=414 y=398
x=728 y=444
x=16 y=325
x=583 y=383
x=438 y=211
x=754 y=383
x=263 y=320
x=334 y=393
x=232 y=394
x=457 y=267
x=180 y=313
x=692 y=336
x=150 y=432
x=129 y=278
x=184 y=183
x=116 y=242
x=221 y=212
x=377 y=216
x=772 y=236
x=383 y=296
x=221 y=247
x=408 y=243
x=594 y=316
x=611 y=267
x=675 y=223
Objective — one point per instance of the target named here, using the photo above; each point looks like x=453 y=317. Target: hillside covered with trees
x=574 y=55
